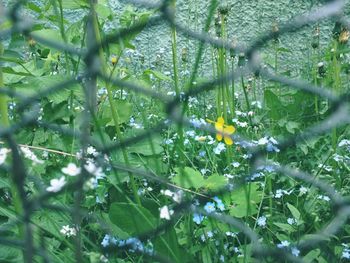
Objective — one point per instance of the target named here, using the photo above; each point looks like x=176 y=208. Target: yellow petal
x=220 y=120
x=219 y=137
x=219 y=126
x=228 y=140
x=229 y=129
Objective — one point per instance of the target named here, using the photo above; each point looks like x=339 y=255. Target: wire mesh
x=29 y=110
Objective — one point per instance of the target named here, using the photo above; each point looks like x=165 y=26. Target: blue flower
x=105 y=241
x=272 y=148
x=198 y=218
x=219 y=204
x=209 y=207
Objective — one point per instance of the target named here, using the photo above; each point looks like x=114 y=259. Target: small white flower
x=344 y=142
x=235 y=164
x=56 y=184
x=284 y=243
x=167 y=192
x=191 y=133
x=346 y=253
x=229 y=176
x=263 y=141
x=320 y=64
x=261 y=221
x=91 y=150
x=243 y=124
x=169 y=141
x=219 y=148
x=165 y=212
x=103 y=259
x=177 y=197
x=295 y=251
x=30 y=155
x=291 y=221
x=3 y=155
x=68 y=231
x=204 y=171
x=91 y=168
x=324 y=198
x=303 y=190
x=71 y=169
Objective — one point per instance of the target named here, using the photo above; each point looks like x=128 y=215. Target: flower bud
x=344 y=36
x=114 y=60
x=241 y=60
x=321 y=69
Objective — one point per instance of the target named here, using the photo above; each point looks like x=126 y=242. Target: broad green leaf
x=124 y=111
x=215 y=182
x=311 y=256
x=33 y=85
x=144 y=147
x=241 y=209
x=75 y=4
x=167 y=245
x=291 y=126
x=49 y=34
x=131 y=218
x=274 y=104
x=255 y=195
x=240 y=201
x=189 y=179
x=103 y=11
x=9 y=254
x=295 y=212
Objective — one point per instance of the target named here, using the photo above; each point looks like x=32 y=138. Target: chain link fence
x=28 y=109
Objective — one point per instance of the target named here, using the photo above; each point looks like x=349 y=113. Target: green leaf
x=123 y=108
x=274 y=105
x=206 y=255
x=131 y=218
x=241 y=210
x=240 y=202
x=103 y=11
x=74 y=4
x=189 y=179
x=4 y=183
x=291 y=126
x=167 y=245
x=285 y=227
x=33 y=85
x=144 y=147
x=49 y=34
x=9 y=254
x=215 y=182
x=295 y=212
x=311 y=256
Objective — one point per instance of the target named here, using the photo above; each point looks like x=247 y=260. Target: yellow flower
x=223 y=130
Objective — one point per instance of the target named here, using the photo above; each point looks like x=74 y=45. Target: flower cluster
x=68 y=231
x=134 y=244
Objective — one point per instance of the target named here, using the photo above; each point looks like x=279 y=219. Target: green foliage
x=129 y=191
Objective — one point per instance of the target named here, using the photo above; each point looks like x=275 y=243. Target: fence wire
x=29 y=110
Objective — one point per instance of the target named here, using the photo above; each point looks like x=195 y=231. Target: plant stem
x=5 y=122
x=113 y=105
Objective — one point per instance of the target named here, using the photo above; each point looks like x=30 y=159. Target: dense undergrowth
x=216 y=169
